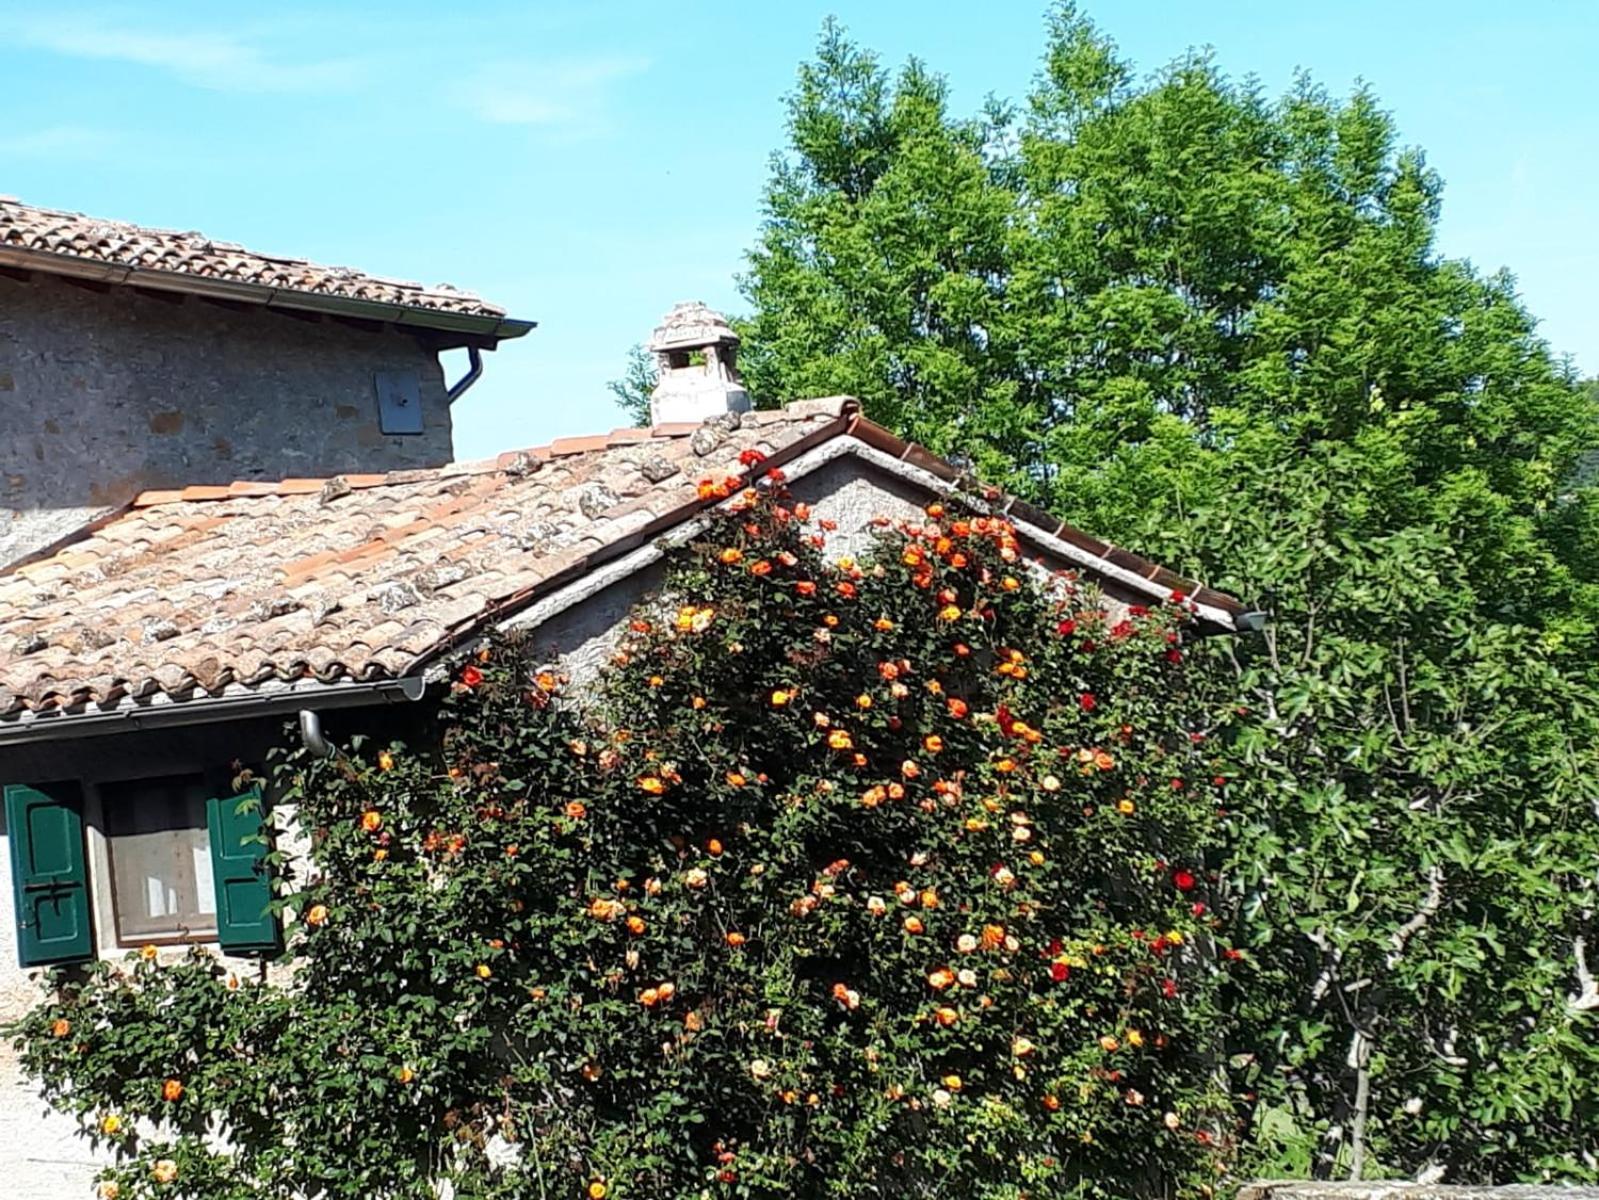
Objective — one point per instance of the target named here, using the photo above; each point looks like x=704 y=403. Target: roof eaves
x=494 y=324
x=1221 y=609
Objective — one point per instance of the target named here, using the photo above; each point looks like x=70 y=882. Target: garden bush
x=875 y=878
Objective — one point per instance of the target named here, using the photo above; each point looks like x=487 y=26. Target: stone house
x=136 y=358
x=159 y=646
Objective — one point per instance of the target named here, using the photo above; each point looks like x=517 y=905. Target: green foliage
x=632 y=391
x=885 y=879
x=1214 y=326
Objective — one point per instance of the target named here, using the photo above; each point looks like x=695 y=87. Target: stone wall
x=106 y=393
x=1399 y=1189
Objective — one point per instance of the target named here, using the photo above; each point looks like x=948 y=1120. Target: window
x=162 y=884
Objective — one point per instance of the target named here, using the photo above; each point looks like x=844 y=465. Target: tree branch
x=1586 y=997
x=1360 y=1060
x=1418 y=922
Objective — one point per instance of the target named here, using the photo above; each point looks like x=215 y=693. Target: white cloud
x=54 y=141
x=570 y=97
x=220 y=61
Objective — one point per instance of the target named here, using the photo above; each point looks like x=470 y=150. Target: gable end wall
x=105 y=393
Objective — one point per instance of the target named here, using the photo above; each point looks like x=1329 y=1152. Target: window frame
x=102 y=877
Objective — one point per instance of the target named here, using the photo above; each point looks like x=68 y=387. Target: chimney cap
x=696 y=355
x=691 y=325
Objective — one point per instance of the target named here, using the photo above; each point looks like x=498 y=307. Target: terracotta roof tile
x=205 y=587
x=198 y=587
x=43 y=231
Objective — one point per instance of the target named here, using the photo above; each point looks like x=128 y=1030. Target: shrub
x=879 y=878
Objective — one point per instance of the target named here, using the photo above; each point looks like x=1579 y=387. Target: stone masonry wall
x=106 y=393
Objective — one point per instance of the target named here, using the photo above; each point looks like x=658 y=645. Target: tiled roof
x=366 y=577
x=44 y=236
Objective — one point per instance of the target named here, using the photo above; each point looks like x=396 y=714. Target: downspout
x=474 y=370
x=311 y=736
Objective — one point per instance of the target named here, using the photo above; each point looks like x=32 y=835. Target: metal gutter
x=162 y=712
x=474 y=370
x=484 y=325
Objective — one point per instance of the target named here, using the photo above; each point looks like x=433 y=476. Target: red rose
x=1168 y=988
x=750 y=457
x=471 y=677
x=1059 y=971
x=1066 y=628
x=1088 y=702
x=1182 y=880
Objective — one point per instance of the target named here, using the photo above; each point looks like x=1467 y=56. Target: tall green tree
x=1216 y=326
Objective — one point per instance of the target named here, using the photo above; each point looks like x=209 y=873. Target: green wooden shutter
x=48 y=879
x=244 y=889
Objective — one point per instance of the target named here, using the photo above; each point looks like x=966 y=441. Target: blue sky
x=588 y=164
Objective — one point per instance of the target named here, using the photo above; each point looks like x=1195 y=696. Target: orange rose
x=60 y=1027
x=781 y=697
x=946 y=1016
x=735 y=939
x=385 y=761
x=172 y=1091
x=371 y=820
x=731 y=555
x=932 y=743
x=713 y=847
x=635 y=925
x=914 y=925
x=317 y=915
x=652 y=784
x=839 y=740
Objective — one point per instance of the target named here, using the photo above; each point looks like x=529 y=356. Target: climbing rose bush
x=875 y=877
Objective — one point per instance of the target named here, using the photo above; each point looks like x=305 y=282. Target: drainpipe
x=474 y=371
x=311 y=736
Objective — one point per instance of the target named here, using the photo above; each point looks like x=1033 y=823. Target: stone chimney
x=695 y=356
